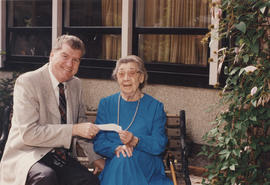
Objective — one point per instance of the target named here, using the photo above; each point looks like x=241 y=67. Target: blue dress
x=145 y=167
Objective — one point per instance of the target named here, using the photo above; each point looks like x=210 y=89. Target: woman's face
x=129 y=78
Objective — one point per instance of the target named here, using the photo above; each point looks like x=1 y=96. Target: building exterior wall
x=197 y=102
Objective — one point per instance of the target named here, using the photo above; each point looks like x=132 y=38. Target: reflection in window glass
x=185 y=49
x=93 y=13
x=173 y=13
x=29 y=13
x=101 y=46
x=30 y=44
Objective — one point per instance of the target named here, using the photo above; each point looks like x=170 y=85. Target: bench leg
x=184 y=156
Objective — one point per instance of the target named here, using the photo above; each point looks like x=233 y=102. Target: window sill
x=169 y=74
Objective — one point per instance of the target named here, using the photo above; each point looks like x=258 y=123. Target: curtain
x=111 y=16
x=185 y=49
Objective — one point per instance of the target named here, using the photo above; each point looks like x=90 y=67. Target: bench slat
x=175 y=132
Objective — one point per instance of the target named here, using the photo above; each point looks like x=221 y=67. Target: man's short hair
x=73 y=41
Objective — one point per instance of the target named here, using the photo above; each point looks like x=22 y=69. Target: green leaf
x=227 y=140
x=241 y=27
x=227 y=156
x=234 y=142
x=254 y=102
x=262 y=9
x=266 y=148
x=232 y=167
x=234 y=70
x=246 y=58
x=237 y=152
x=241 y=71
x=253 y=118
x=254 y=146
x=224 y=167
x=211 y=176
x=233 y=180
x=226 y=70
x=255 y=47
x=268 y=113
x=224 y=152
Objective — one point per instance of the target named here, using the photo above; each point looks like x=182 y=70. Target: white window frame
x=57 y=18
x=127 y=15
x=214 y=45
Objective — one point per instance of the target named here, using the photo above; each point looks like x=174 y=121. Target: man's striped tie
x=62 y=103
x=60 y=154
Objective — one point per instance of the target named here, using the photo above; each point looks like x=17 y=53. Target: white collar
x=54 y=80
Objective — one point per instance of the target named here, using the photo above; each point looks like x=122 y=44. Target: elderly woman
x=133 y=155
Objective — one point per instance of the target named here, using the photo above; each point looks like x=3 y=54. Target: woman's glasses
x=130 y=73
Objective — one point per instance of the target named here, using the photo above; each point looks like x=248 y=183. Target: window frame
x=159 y=73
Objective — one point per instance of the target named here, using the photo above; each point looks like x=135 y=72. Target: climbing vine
x=240 y=137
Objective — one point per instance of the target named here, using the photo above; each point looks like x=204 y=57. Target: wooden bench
x=176 y=150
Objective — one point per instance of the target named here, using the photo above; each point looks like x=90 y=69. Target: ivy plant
x=6 y=90
x=240 y=136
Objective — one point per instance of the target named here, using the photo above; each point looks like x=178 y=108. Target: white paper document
x=109 y=127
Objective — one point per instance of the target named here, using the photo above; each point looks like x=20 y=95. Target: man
x=42 y=140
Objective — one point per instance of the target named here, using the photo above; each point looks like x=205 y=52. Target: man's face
x=65 y=62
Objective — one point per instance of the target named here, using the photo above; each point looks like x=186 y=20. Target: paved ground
x=195 y=180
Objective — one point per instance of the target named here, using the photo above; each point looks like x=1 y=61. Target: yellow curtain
x=111 y=16
x=185 y=49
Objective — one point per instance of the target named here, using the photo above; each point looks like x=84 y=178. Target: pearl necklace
x=118 y=112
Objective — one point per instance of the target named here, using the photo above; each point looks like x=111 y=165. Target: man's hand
x=99 y=165
x=85 y=130
x=124 y=150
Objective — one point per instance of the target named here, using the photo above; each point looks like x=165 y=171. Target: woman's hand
x=124 y=150
x=99 y=165
x=133 y=143
x=125 y=136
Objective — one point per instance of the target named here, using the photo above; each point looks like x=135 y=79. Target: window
x=28 y=29
x=165 y=33
x=173 y=48
x=168 y=34
x=98 y=24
